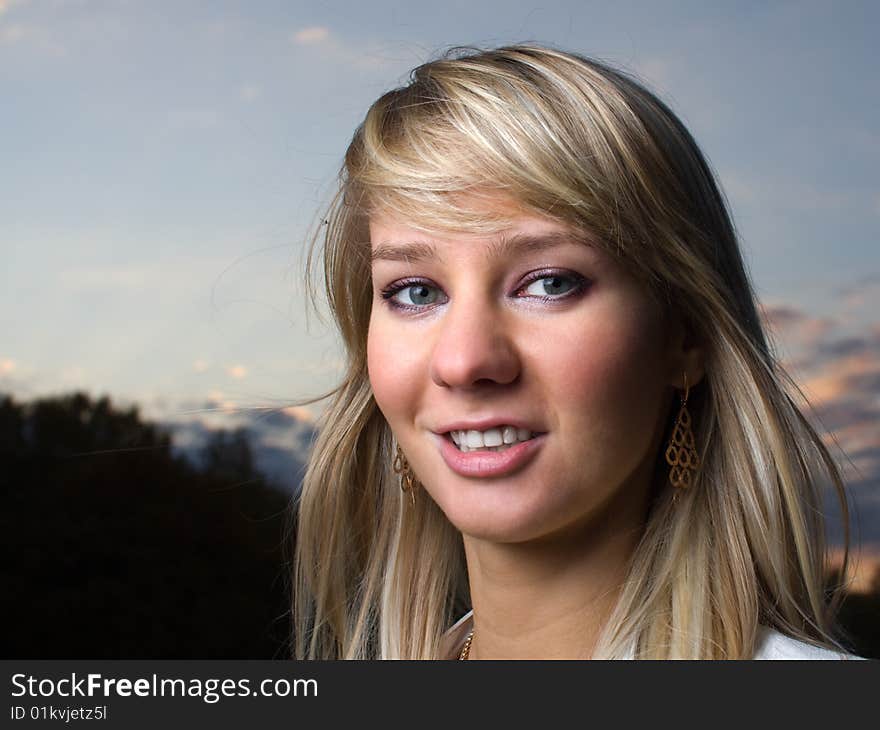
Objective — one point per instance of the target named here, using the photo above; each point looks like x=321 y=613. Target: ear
x=686 y=355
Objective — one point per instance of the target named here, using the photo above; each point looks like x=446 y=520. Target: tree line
x=119 y=548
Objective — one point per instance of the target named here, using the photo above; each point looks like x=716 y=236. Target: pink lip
x=488 y=463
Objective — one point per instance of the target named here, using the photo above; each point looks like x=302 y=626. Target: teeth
x=466 y=449
x=492 y=439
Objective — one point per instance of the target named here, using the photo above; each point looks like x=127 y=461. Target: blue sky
x=161 y=164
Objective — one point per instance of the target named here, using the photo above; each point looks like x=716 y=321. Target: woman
x=559 y=410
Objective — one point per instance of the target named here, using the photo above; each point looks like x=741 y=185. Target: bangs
x=442 y=152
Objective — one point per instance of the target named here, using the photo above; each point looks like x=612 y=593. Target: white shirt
x=770 y=644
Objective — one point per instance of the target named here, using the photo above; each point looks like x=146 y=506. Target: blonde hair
x=570 y=138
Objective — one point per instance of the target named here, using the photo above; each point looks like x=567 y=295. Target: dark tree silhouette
x=119 y=549
x=227 y=456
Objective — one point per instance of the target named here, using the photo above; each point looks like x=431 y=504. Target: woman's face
x=528 y=334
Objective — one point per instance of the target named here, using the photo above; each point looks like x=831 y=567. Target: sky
x=162 y=164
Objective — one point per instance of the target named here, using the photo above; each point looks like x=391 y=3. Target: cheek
x=393 y=365
x=609 y=376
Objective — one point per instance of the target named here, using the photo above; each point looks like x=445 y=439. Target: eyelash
x=580 y=284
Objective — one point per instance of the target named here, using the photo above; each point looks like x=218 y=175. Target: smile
x=492 y=439
x=492 y=461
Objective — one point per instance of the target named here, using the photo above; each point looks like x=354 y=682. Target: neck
x=550 y=599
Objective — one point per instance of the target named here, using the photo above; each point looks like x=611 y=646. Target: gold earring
x=408 y=480
x=681 y=454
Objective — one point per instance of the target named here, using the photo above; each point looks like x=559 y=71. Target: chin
x=497 y=524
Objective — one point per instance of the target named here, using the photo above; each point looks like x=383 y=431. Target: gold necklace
x=466 y=649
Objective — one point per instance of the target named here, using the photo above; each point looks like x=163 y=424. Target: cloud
x=200 y=366
x=356 y=52
x=280 y=437
x=840 y=375
x=864 y=568
x=846 y=369
x=26 y=382
x=846 y=347
x=39 y=37
x=795 y=327
x=310 y=35
x=300 y=413
x=836 y=364
x=862 y=293
x=7 y=5
x=237 y=371
x=845 y=395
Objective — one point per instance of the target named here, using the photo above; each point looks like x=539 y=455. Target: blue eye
x=551 y=286
x=415 y=295
x=411 y=295
x=419 y=294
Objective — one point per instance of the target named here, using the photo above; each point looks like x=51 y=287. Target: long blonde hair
x=571 y=138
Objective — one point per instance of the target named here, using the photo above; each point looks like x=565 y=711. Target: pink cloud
x=848 y=376
x=837 y=367
x=795 y=327
x=310 y=35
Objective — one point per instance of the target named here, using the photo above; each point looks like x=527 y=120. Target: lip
x=485 y=464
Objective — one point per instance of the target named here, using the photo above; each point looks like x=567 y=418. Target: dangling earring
x=681 y=454
x=408 y=481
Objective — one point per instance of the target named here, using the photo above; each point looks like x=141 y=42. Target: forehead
x=394 y=240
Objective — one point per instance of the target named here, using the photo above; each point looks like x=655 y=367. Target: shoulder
x=772 y=644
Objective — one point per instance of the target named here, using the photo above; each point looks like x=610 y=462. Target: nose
x=474 y=346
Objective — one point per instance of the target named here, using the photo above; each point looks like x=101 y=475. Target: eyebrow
x=505 y=246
